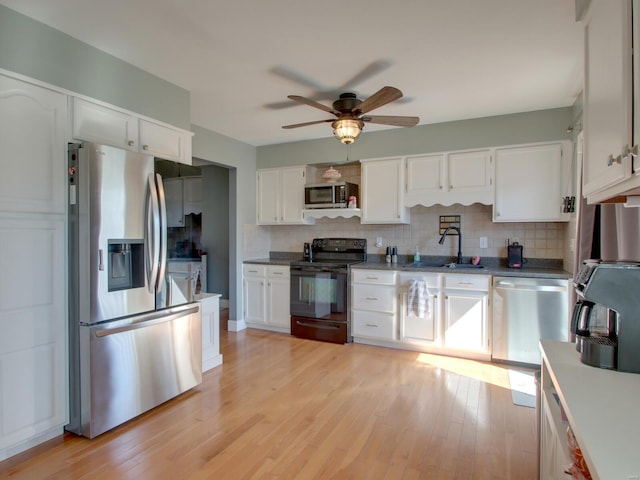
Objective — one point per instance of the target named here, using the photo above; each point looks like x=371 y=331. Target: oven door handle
x=303 y=270
x=317 y=325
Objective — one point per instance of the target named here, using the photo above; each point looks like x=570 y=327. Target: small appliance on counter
x=515 y=256
x=606 y=316
x=307 y=253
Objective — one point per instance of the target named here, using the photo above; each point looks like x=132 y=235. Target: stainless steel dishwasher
x=526 y=310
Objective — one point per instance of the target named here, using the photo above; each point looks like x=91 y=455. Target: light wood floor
x=285 y=408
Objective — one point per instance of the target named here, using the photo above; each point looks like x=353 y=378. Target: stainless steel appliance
x=606 y=317
x=329 y=195
x=320 y=289
x=128 y=351
x=525 y=311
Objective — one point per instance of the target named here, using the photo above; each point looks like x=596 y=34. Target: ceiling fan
x=350 y=112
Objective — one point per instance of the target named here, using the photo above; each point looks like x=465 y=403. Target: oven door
x=319 y=293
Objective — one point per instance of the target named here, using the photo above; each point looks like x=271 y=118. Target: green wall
x=33 y=49
x=528 y=127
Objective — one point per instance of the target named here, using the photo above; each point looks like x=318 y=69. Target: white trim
x=236 y=325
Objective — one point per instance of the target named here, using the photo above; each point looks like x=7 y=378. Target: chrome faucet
x=441 y=241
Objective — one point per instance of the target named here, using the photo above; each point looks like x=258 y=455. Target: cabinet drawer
x=254 y=270
x=374 y=298
x=374 y=325
x=467 y=282
x=278 y=272
x=377 y=277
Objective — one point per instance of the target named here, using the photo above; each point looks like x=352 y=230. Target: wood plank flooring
x=285 y=408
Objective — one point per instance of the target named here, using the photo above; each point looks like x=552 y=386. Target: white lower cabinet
x=210 y=312
x=266 y=297
x=454 y=319
x=466 y=302
x=373 y=304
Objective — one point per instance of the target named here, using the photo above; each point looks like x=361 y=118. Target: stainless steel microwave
x=329 y=195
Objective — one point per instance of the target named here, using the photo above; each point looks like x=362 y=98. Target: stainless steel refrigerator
x=128 y=351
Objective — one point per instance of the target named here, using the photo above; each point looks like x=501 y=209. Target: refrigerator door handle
x=147 y=320
x=153 y=239
x=162 y=204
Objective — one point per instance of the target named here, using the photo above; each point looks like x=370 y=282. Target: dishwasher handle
x=529 y=288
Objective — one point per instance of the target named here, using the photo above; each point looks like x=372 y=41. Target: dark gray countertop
x=539 y=268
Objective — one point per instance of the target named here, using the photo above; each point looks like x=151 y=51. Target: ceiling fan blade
x=311 y=103
x=381 y=97
x=369 y=71
x=296 y=125
x=391 y=120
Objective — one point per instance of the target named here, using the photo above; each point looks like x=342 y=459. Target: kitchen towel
x=418 y=299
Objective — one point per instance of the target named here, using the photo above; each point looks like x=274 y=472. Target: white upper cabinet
x=531 y=181
x=382 y=194
x=165 y=142
x=32 y=137
x=608 y=100
x=463 y=177
x=280 y=196
x=100 y=123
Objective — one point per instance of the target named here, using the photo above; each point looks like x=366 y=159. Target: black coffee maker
x=606 y=317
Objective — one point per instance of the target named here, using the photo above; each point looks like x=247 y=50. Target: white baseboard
x=236 y=325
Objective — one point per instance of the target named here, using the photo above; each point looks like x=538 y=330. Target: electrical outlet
x=483 y=242
x=572 y=247
x=378 y=242
x=515 y=240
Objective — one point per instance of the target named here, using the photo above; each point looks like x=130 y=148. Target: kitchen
x=510 y=130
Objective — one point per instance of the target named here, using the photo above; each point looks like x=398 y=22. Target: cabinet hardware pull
x=145 y=147
x=370 y=325
x=277 y=273
x=372 y=278
x=611 y=160
x=372 y=298
x=131 y=143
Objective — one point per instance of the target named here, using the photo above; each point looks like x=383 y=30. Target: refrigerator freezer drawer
x=129 y=367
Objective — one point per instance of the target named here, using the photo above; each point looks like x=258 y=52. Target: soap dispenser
x=416 y=255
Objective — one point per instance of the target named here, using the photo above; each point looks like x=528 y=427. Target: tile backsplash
x=539 y=240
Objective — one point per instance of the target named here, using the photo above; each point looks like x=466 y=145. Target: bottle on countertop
x=388 y=257
x=394 y=255
x=416 y=255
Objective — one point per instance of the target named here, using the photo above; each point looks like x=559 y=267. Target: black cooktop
x=335 y=252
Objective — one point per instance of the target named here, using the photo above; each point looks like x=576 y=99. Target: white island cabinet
x=210 y=310
x=33 y=288
x=601 y=406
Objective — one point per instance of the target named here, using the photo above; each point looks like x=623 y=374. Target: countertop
x=602 y=408
x=538 y=269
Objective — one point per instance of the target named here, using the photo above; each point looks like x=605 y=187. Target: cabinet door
x=469 y=171
x=382 y=192
x=465 y=321
x=33 y=321
x=292 y=182
x=529 y=184
x=255 y=298
x=192 y=195
x=173 y=197
x=607 y=94
x=100 y=124
x=425 y=174
x=32 y=134
x=164 y=142
x=268 y=197
x=279 y=293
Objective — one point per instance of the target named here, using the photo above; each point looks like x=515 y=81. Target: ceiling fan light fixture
x=347 y=129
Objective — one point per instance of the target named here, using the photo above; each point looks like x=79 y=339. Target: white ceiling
x=453 y=59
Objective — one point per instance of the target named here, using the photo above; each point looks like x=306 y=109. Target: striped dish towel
x=418 y=300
